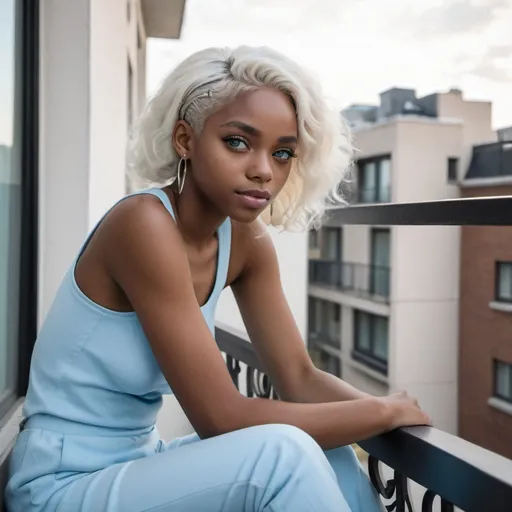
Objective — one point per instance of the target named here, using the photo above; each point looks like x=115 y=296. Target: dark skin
x=140 y=259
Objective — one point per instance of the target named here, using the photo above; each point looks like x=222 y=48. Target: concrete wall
x=64 y=159
x=292 y=251
x=85 y=49
x=476 y=118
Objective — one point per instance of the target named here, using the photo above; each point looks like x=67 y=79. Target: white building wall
x=64 y=153
x=425 y=273
x=85 y=47
x=112 y=44
x=292 y=252
x=476 y=117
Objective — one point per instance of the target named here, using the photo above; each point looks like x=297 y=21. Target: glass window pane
x=332 y=244
x=380 y=332
x=503 y=380
x=333 y=323
x=368 y=188
x=10 y=194
x=363 y=340
x=505 y=281
x=384 y=192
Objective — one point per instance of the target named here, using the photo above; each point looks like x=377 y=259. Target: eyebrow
x=250 y=130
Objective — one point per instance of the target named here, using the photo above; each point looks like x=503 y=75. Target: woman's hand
x=405 y=411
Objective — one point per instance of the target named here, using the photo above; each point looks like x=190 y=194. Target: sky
x=359 y=48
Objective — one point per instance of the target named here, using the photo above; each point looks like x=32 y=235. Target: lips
x=254 y=198
x=260 y=194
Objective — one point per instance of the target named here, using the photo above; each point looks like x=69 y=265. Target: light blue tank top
x=92 y=366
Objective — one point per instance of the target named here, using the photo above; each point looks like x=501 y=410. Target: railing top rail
x=466 y=475
x=474 y=211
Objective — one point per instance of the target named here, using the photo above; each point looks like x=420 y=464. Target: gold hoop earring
x=181 y=174
x=271 y=211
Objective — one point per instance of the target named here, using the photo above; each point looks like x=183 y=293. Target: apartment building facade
x=383 y=301
x=72 y=79
x=485 y=338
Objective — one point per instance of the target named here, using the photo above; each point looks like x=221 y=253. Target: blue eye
x=236 y=143
x=284 y=154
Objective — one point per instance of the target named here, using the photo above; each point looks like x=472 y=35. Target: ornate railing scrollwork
x=396 y=488
x=259 y=385
x=427 y=505
x=233 y=369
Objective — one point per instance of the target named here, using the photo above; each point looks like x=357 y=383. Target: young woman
x=231 y=137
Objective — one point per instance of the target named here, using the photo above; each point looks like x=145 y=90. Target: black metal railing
x=363 y=280
x=452 y=471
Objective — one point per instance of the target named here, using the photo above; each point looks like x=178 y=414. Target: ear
x=182 y=138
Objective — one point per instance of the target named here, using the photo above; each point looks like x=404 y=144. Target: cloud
x=492 y=72
x=494 y=64
x=488 y=65
x=457 y=17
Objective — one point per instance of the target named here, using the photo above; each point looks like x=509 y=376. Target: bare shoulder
x=140 y=232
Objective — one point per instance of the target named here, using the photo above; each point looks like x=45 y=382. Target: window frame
x=496 y=394
x=368 y=357
x=317 y=326
x=27 y=21
x=377 y=160
x=497 y=296
x=372 y=285
x=452 y=178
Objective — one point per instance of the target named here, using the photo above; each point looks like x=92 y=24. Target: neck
x=196 y=217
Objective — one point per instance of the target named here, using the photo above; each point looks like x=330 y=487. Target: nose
x=260 y=168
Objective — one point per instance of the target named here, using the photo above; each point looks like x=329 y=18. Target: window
x=313 y=239
x=324 y=322
x=331 y=244
x=380 y=258
x=325 y=361
x=18 y=196
x=503 y=380
x=375 y=180
x=453 y=167
x=504 y=281
x=371 y=340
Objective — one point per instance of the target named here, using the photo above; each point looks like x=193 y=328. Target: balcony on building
x=364 y=280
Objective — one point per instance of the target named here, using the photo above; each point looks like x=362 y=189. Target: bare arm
x=149 y=263
x=274 y=333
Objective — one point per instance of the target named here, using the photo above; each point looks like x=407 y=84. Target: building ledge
x=500 y=405
x=367 y=304
x=163 y=18
x=501 y=306
x=491 y=181
x=362 y=368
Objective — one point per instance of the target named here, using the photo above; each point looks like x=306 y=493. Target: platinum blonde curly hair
x=213 y=77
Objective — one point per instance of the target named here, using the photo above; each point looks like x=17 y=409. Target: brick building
x=485 y=347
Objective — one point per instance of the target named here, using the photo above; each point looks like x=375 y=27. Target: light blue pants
x=266 y=468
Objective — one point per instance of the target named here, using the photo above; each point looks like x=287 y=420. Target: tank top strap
x=224 y=253
x=158 y=192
